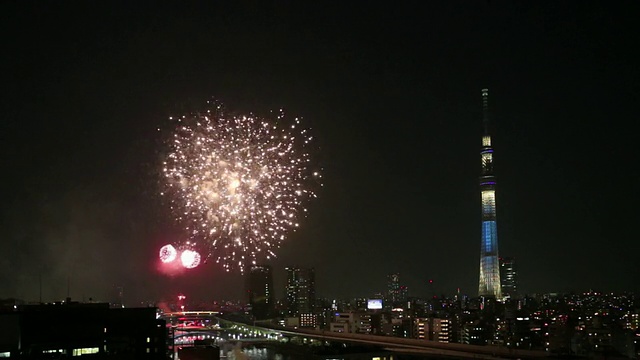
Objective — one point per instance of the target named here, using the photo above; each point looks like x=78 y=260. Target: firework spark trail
x=237 y=184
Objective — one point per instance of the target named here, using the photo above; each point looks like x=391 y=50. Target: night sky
x=393 y=96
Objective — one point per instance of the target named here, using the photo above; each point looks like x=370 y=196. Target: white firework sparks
x=168 y=253
x=190 y=259
x=238 y=183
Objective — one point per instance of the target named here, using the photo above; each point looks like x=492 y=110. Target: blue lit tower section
x=489 y=263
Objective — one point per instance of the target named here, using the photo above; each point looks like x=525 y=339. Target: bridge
x=191 y=326
x=194 y=312
x=421 y=347
x=265 y=332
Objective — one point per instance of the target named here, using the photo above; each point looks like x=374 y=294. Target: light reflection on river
x=252 y=353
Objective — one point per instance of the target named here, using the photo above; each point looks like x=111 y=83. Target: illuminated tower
x=489 y=263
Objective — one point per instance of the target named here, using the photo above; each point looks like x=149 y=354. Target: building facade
x=301 y=291
x=433 y=329
x=70 y=329
x=489 y=284
x=509 y=277
x=260 y=291
x=393 y=289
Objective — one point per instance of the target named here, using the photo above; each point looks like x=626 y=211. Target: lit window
x=83 y=351
x=486 y=160
x=53 y=351
x=488 y=202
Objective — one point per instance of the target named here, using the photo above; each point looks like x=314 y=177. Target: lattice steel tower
x=489 y=263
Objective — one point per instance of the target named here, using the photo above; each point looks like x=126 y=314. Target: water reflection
x=258 y=353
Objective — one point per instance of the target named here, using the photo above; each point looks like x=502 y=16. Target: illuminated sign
x=374 y=304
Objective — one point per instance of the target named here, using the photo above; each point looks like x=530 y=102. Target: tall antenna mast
x=485 y=110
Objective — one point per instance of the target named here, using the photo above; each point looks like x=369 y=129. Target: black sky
x=393 y=95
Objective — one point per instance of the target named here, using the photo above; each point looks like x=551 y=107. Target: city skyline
x=391 y=94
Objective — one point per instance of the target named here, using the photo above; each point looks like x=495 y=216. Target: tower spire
x=485 y=110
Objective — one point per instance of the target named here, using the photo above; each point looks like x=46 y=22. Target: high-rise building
x=509 y=277
x=301 y=290
x=393 y=289
x=404 y=295
x=260 y=291
x=489 y=284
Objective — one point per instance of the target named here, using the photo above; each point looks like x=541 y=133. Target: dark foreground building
x=260 y=291
x=71 y=329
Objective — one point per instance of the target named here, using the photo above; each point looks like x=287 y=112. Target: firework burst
x=168 y=253
x=237 y=184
